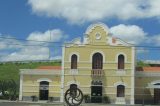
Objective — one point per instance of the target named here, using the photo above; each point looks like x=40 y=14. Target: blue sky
x=136 y=21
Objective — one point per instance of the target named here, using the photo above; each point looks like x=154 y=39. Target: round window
x=98 y=36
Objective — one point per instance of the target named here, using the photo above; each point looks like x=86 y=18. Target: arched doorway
x=120 y=91
x=96 y=92
x=43 y=90
x=157 y=93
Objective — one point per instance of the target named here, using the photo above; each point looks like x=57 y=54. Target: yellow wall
x=142 y=89
x=110 y=64
x=31 y=86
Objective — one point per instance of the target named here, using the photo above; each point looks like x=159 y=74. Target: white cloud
x=155 y=40
x=56 y=58
x=129 y=33
x=37 y=52
x=49 y=35
x=7 y=41
x=79 y=11
x=28 y=53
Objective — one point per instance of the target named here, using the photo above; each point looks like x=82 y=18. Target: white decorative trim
x=44 y=79
x=74 y=71
x=40 y=72
x=121 y=72
x=85 y=39
x=35 y=85
x=152 y=84
x=133 y=76
x=62 y=76
x=121 y=53
x=120 y=100
x=155 y=82
x=92 y=26
x=76 y=41
x=107 y=62
x=98 y=36
x=103 y=75
x=73 y=82
x=21 y=87
x=26 y=91
x=120 y=83
x=147 y=74
x=90 y=68
x=97 y=51
x=72 y=53
x=120 y=42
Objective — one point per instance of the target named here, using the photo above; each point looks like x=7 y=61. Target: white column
x=21 y=86
x=62 y=75
x=133 y=76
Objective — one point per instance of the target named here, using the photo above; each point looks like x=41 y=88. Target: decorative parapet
x=39 y=72
x=97 y=72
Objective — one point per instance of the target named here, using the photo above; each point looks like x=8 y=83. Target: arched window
x=97 y=61
x=121 y=62
x=74 y=61
x=120 y=91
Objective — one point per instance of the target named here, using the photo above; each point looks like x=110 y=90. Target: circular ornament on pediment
x=98 y=36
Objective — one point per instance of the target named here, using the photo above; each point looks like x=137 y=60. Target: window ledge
x=121 y=72
x=74 y=71
x=120 y=100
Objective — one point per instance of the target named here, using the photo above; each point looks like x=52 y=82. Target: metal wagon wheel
x=74 y=100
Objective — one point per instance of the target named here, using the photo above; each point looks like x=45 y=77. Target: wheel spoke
x=72 y=100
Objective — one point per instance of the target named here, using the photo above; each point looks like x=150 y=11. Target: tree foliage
x=142 y=64
x=9 y=89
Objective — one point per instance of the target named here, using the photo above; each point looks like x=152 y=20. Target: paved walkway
x=23 y=103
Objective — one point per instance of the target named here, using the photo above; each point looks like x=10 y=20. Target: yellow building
x=42 y=83
x=147 y=85
x=100 y=65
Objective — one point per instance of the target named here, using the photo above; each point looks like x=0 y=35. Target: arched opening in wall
x=121 y=61
x=157 y=93
x=74 y=61
x=73 y=90
x=120 y=91
x=97 y=65
x=96 y=91
x=97 y=61
x=43 y=90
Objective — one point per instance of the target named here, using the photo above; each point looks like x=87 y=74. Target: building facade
x=147 y=85
x=100 y=65
x=43 y=83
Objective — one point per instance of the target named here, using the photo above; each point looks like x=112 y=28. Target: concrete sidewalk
x=42 y=103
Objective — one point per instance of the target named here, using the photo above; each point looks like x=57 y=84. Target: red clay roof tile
x=50 y=67
x=147 y=68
